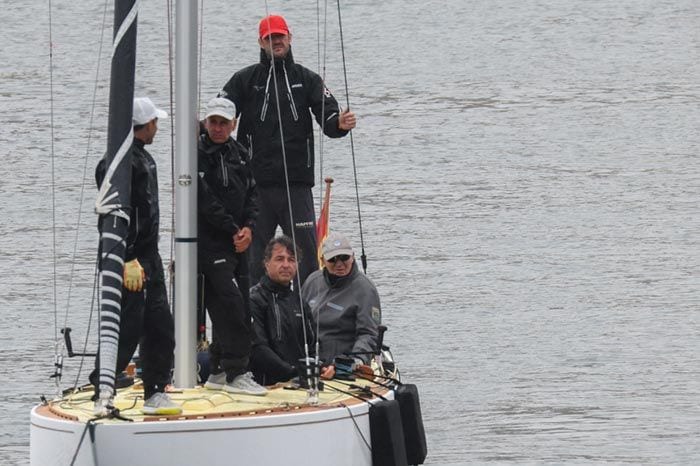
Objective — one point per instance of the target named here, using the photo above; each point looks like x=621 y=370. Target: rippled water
x=529 y=176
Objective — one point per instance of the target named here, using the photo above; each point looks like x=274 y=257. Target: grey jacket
x=348 y=313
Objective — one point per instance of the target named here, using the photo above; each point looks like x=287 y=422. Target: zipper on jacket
x=136 y=224
x=277 y=316
x=289 y=95
x=250 y=146
x=308 y=153
x=263 y=112
x=224 y=170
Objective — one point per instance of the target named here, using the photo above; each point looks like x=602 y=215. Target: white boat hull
x=314 y=437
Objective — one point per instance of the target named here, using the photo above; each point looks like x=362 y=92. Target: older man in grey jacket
x=345 y=303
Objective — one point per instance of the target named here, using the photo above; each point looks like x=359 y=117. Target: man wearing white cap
x=145 y=315
x=227 y=210
x=345 y=303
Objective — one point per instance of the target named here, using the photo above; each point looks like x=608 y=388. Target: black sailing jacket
x=142 y=240
x=301 y=91
x=279 y=334
x=227 y=198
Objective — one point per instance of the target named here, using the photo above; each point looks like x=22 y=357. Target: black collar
x=287 y=60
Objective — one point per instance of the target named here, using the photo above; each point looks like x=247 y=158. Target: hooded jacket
x=301 y=92
x=348 y=313
x=227 y=198
x=278 y=343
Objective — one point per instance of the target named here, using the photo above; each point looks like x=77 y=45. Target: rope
x=352 y=146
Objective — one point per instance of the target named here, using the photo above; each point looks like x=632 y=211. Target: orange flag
x=323 y=222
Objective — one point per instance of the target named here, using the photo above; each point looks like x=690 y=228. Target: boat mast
x=186 y=126
x=114 y=197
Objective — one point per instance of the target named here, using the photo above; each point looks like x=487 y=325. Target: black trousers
x=224 y=274
x=274 y=211
x=146 y=321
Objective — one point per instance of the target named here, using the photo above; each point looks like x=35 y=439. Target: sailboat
x=373 y=419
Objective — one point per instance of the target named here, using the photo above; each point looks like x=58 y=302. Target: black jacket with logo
x=142 y=240
x=301 y=91
x=278 y=343
x=227 y=198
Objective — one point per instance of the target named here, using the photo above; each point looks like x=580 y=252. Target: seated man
x=345 y=302
x=279 y=338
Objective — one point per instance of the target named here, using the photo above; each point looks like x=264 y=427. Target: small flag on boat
x=323 y=222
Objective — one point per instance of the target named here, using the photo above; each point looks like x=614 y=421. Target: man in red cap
x=257 y=90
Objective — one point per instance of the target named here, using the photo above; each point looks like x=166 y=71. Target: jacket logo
x=258 y=88
x=294 y=86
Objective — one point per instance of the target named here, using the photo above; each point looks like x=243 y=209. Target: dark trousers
x=227 y=306
x=274 y=211
x=146 y=320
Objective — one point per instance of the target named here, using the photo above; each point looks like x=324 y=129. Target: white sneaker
x=245 y=384
x=160 y=404
x=216 y=381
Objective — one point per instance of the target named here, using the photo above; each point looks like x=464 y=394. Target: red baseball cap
x=273 y=24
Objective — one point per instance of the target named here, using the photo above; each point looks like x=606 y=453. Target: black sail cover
x=113 y=199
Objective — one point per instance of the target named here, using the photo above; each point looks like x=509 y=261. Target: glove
x=133 y=275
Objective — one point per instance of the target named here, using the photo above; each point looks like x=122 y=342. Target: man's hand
x=133 y=275
x=347 y=120
x=328 y=372
x=242 y=239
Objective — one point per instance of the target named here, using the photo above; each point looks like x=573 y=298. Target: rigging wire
x=53 y=203
x=322 y=72
x=60 y=343
x=289 y=205
x=171 y=282
x=82 y=194
x=200 y=58
x=352 y=145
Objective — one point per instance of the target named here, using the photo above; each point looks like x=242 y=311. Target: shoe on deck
x=160 y=404
x=216 y=381
x=245 y=384
x=103 y=407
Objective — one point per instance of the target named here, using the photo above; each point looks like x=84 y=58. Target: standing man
x=227 y=209
x=256 y=91
x=345 y=302
x=145 y=315
x=281 y=329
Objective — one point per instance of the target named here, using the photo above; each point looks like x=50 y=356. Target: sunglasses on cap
x=341 y=258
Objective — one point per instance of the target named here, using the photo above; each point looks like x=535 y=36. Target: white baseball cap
x=336 y=245
x=145 y=111
x=219 y=106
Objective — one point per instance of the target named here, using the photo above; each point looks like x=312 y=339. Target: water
x=529 y=177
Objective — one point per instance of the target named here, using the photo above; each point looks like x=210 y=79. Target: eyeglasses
x=341 y=258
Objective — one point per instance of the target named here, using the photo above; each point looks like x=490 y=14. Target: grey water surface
x=528 y=174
